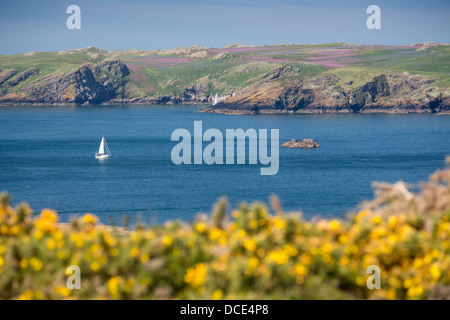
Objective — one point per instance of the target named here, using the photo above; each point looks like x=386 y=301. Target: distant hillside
x=335 y=77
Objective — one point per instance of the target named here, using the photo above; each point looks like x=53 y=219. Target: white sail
x=101 y=150
x=106 y=148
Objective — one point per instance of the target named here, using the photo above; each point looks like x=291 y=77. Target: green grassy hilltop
x=196 y=74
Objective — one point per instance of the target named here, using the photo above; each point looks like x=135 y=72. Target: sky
x=28 y=25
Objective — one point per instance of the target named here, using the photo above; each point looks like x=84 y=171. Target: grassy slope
x=433 y=62
x=157 y=73
x=46 y=62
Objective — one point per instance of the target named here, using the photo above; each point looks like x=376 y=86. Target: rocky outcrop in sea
x=303 y=144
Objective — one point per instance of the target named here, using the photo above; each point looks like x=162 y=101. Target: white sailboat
x=103 y=150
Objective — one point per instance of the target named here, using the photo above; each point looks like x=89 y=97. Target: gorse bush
x=251 y=255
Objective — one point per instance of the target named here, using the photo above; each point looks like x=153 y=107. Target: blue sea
x=47 y=159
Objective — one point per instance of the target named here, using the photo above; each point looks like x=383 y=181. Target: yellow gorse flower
x=89 y=219
x=196 y=275
x=278 y=256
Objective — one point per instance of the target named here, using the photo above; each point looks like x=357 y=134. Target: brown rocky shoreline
x=386 y=93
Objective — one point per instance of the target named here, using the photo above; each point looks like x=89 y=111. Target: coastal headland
x=238 y=79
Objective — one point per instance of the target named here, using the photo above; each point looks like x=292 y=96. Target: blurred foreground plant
x=251 y=255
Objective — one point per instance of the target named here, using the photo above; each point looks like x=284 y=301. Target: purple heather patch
x=270 y=59
x=135 y=77
x=327 y=58
x=243 y=49
x=133 y=66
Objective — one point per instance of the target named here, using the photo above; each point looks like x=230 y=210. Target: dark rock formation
x=196 y=91
x=89 y=84
x=369 y=93
x=304 y=144
x=22 y=77
x=115 y=67
x=7 y=74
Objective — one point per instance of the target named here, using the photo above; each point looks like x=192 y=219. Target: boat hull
x=103 y=156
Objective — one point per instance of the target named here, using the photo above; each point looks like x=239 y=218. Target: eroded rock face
x=22 y=77
x=303 y=144
x=89 y=84
x=384 y=94
x=114 y=66
x=196 y=90
x=369 y=93
x=7 y=74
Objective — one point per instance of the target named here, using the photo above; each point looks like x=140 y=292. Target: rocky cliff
x=386 y=93
x=88 y=84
